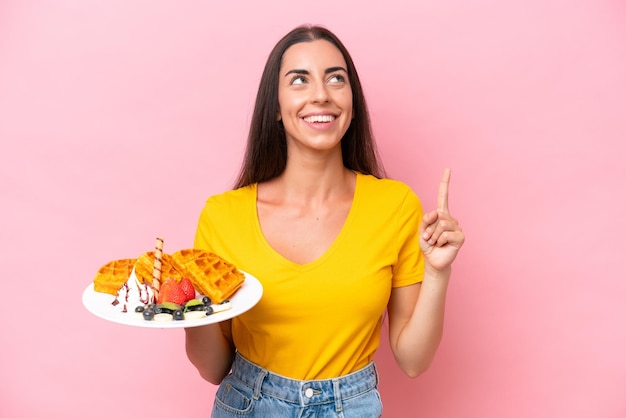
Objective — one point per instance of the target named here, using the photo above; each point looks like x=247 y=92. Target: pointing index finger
x=442 y=197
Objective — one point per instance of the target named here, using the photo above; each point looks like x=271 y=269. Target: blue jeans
x=251 y=391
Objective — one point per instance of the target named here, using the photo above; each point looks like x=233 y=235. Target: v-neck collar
x=329 y=251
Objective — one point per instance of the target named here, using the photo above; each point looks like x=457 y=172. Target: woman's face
x=314 y=96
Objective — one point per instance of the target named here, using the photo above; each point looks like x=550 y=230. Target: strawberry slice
x=171 y=291
x=188 y=289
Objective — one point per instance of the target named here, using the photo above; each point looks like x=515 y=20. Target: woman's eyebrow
x=296 y=71
x=306 y=72
x=333 y=69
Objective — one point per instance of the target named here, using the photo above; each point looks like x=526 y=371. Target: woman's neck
x=311 y=183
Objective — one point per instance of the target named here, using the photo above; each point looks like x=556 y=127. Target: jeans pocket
x=368 y=404
x=233 y=396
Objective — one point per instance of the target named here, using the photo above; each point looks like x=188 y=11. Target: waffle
x=144 y=268
x=113 y=275
x=210 y=274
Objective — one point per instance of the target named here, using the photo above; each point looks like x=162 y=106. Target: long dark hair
x=266 y=151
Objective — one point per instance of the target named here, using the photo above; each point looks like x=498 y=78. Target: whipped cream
x=133 y=293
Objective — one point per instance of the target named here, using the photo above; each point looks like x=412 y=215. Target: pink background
x=118 y=119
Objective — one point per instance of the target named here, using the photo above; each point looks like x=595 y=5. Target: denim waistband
x=304 y=392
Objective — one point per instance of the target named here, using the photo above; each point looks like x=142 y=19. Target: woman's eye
x=337 y=78
x=298 y=80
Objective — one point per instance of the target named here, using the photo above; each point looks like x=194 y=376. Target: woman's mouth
x=319 y=118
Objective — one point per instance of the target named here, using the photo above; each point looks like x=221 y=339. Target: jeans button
x=308 y=393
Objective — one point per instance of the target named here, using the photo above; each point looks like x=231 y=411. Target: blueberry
x=206 y=300
x=209 y=311
x=148 y=314
x=178 y=315
x=139 y=309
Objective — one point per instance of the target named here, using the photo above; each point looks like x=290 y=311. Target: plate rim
x=251 y=282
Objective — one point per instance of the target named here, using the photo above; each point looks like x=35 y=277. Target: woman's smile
x=320 y=121
x=319 y=118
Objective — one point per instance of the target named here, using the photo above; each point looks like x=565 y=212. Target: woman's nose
x=319 y=93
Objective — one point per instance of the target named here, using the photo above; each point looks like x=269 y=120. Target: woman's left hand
x=441 y=236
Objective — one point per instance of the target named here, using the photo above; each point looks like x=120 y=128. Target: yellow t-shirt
x=322 y=319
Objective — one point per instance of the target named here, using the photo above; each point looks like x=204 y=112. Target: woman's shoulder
x=384 y=186
x=385 y=194
x=231 y=198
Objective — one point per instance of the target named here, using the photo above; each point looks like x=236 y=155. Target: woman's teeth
x=319 y=118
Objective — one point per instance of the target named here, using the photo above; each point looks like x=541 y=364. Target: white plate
x=100 y=304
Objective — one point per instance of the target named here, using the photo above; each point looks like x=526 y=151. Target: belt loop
x=338 y=403
x=258 y=382
x=376 y=375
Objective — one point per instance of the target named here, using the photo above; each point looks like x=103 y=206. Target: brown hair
x=266 y=151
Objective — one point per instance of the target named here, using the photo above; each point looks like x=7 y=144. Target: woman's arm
x=416 y=316
x=416 y=312
x=210 y=349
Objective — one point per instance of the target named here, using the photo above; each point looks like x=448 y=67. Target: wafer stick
x=158 y=263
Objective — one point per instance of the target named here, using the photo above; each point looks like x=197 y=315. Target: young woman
x=334 y=243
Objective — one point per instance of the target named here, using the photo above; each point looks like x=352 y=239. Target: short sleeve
x=409 y=267
x=203 y=231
